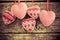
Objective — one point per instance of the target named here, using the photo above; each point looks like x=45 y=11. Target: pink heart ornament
x=47 y=17
x=8 y=17
x=19 y=10
x=29 y=24
x=33 y=11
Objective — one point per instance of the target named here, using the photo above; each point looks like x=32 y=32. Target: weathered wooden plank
x=29 y=36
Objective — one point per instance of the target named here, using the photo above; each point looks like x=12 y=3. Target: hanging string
x=18 y=1
x=14 y=1
x=32 y=2
x=47 y=7
x=25 y=1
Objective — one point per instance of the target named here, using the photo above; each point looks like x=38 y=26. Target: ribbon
x=14 y=1
x=47 y=7
x=18 y=1
x=25 y=1
x=32 y=2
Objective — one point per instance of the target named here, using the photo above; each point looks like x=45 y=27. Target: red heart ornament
x=47 y=17
x=29 y=24
x=8 y=17
x=19 y=10
x=33 y=11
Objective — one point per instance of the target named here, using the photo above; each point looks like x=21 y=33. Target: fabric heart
x=33 y=11
x=47 y=17
x=8 y=17
x=19 y=10
x=29 y=24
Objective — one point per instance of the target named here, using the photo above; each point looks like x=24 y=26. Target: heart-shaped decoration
x=29 y=24
x=8 y=17
x=19 y=10
x=33 y=11
x=47 y=17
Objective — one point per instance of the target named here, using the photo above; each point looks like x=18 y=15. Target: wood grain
x=17 y=27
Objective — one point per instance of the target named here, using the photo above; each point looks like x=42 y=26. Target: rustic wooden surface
x=17 y=27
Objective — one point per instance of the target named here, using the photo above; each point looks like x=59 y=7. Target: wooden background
x=15 y=31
